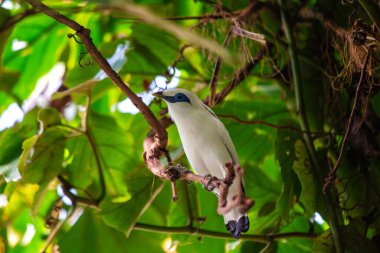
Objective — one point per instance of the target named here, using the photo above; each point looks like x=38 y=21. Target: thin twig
x=249 y=35
x=56 y=229
x=92 y=142
x=262 y=122
x=220 y=235
x=75 y=199
x=333 y=171
x=240 y=76
x=215 y=74
x=212 y=100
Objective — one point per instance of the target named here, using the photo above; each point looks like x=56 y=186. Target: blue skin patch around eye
x=177 y=98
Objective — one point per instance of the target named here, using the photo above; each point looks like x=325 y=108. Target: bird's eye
x=179 y=97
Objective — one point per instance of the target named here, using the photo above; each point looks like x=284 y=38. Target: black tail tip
x=236 y=228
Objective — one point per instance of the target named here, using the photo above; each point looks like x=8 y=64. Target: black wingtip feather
x=236 y=228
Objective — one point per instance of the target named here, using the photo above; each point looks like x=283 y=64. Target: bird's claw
x=208 y=186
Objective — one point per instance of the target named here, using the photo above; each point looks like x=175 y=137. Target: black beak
x=157 y=94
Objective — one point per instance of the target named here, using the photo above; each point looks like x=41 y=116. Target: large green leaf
x=92 y=235
x=152 y=51
x=299 y=224
x=10 y=145
x=143 y=189
x=11 y=141
x=117 y=147
x=45 y=44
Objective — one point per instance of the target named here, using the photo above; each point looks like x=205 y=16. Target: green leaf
x=45 y=40
x=352 y=242
x=143 y=188
x=9 y=78
x=10 y=145
x=187 y=205
x=324 y=243
x=42 y=157
x=49 y=117
x=152 y=51
x=299 y=224
x=83 y=167
x=5 y=15
x=285 y=154
x=117 y=147
x=94 y=236
x=302 y=167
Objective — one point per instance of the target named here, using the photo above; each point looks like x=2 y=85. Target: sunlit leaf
x=143 y=189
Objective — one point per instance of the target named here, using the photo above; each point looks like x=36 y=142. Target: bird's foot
x=230 y=176
x=208 y=185
x=176 y=172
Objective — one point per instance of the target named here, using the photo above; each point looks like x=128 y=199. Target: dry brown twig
x=235 y=29
x=333 y=171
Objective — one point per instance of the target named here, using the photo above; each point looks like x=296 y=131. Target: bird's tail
x=236 y=222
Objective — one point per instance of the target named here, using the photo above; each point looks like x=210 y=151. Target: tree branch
x=84 y=34
x=220 y=235
x=240 y=76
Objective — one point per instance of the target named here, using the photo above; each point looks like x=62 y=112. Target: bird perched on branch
x=207 y=145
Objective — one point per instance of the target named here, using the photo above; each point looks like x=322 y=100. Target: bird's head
x=173 y=96
x=180 y=101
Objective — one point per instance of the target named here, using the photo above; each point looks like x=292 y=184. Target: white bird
x=207 y=145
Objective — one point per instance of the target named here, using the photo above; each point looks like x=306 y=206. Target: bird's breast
x=203 y=146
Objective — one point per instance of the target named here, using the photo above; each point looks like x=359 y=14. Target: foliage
x=80 y=145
